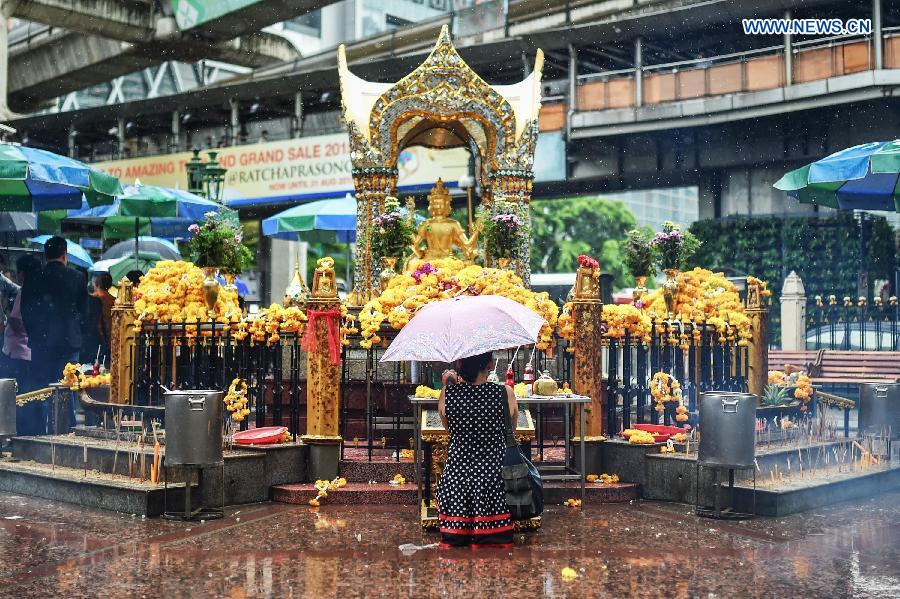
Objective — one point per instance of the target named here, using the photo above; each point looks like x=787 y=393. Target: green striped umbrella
x=33 y=180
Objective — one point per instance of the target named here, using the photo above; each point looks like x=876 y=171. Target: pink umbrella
x=459 y=327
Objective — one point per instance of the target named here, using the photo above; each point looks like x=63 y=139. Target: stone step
x=106 y=491
x=69 y=451
x=385 y=494
x=249 y=472
x=364 y=471
x=799 y=495
x=351 y=494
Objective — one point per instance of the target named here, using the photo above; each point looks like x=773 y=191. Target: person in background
x=8 y=291
x=102 y=284
x=134 y=276
x=91 y=338
x=53 y=311
x=16 y=358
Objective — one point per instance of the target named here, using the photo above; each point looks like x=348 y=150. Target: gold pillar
x=372 y=185
x=323 y=371
x=587 y=312
x=758 y=346
x=122 y=342
x=516 y=186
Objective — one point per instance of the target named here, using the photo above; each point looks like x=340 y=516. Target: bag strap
x=507 y=419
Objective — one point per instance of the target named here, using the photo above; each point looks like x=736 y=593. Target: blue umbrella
x=337 y=216
x=157 y=211
x=864 y=177
x=33 y=180
x=78 y=256
x=165 y=248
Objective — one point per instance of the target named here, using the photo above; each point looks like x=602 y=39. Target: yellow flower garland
x=172 y=292
x=406 y=294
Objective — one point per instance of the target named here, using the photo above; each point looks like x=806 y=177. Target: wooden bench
x=827 y=367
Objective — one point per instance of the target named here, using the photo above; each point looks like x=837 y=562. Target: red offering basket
x=260 y=436
x=660 y=432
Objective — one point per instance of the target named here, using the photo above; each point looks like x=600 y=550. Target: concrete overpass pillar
x=176 y=130
x=235 y=121
x=877 y=35
x=73 y=133
x=573 y=88
x=298 y=115
x=710 y=195
x=788 y=54
x=638 y=72
x=120 y=134
x=6 y=10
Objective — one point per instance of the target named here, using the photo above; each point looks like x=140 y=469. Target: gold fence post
x=323 y=388
x=122 y=345
x=758 y=346
x=587 y=376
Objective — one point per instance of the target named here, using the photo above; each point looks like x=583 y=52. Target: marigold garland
x=236 y=400
x=172 y=292
x=704 y=297
x=442 y=279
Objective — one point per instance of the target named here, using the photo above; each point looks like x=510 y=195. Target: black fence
x=853 y=324
x=692 y=354
x=375 y=414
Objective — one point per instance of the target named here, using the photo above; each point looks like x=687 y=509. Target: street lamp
x=195 y=176
x=215 y=178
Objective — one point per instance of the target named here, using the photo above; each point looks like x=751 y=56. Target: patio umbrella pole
x=137 y=232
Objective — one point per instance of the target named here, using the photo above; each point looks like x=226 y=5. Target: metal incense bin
x=194 y=441
x=727 y=442
x=879 y=416
x=8 y=389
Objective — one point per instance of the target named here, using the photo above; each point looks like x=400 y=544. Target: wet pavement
x=272 y=550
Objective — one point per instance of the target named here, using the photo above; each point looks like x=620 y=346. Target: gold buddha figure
x=440 y=232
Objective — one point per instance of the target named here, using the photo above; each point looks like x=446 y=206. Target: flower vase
x=210 y=289
x=503 y=263
x=229 y=281
x=640 y=289
x=388 y=272
x=670 y=290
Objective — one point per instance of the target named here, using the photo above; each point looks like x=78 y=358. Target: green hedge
x=825 y=252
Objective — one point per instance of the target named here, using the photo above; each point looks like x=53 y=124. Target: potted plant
x=391 y=235
x=503 y=232
x=639 y=260
x=672 y=248
x=217 y=245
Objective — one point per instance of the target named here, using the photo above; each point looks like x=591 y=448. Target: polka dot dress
x=471 y=496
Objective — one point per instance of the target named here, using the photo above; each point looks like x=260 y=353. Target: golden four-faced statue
x=324 y=282
x=440 y=233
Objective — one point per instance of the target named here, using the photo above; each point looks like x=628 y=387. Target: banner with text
x=312 y=167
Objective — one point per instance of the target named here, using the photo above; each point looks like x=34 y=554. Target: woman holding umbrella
x=465 y=331
x=471 y=498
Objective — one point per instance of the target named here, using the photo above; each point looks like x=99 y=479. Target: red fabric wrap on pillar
x=332 y=319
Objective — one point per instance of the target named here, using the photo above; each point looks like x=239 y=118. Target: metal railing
x=853 y=324
x=743 y=81
x=698 y=356
x=374 y=412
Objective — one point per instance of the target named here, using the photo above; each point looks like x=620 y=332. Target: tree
x=563 y=229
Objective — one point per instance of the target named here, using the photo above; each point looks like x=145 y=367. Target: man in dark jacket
x=53 y=311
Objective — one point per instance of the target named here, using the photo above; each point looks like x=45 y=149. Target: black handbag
x=524 y=487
